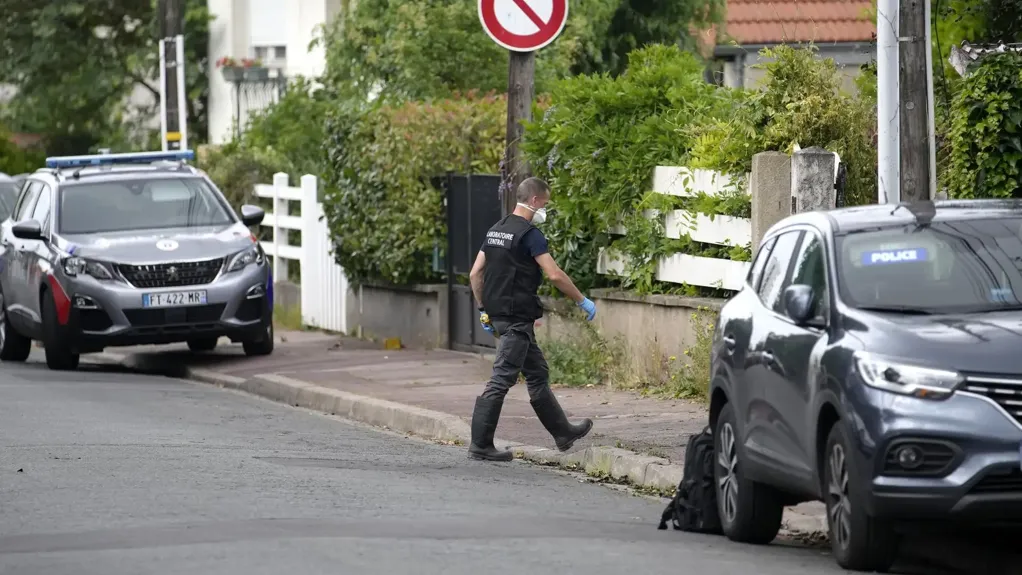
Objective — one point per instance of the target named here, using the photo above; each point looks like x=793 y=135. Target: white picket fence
x=324 y=285
x=721 y=230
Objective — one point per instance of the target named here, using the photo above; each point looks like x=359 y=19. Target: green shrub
x=15 y=160
x=986 y=130
x=801 y=103
x=293 y=129
x=383 y=211
x=236 y=169
x=598 y=145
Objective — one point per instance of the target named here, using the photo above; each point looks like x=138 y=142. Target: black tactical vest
x=511 y=278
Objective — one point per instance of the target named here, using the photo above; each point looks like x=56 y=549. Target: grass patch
x=688 y=376
x=287 y=318
x=585 y=361
x=588 y=359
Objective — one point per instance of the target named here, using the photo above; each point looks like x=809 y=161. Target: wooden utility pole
x=520 y=92
x=914 y=100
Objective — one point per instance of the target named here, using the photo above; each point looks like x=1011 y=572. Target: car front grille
x=1006 y=392
x=171 y=274
x=181 y=315
x=1008 y=480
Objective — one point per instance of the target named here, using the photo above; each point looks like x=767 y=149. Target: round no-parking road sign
x=523 y=25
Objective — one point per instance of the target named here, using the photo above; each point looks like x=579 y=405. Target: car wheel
x=750 y=512
x=60 y=355
x=261 y=346
x=13 y=345
x=204 y=344
x=859 y=542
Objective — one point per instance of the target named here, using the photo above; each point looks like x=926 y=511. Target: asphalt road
x=110 y=472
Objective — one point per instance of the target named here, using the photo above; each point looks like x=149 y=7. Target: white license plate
x=174 y=299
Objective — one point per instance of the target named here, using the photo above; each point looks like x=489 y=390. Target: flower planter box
x=257 y=74
x=232 y=73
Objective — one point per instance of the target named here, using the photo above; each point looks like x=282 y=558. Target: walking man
x=505 y=279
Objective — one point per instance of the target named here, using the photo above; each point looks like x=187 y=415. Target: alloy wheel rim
x=727 y=483
x=839 y=506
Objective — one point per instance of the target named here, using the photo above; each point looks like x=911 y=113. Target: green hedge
x=801 y=102
x=384 y=214
x=598 y=145
x=986 y=130
x=15 y=160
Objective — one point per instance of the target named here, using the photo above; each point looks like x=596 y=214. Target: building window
x=281 y=52
x=260 y=53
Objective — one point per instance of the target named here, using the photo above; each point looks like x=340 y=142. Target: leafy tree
x=75 y=62
x=293 y=127
x=415 y=49
x=15 y=160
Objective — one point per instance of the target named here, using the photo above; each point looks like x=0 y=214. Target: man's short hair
x=531 y=188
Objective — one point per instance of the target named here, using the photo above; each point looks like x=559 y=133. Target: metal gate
x=473 y=206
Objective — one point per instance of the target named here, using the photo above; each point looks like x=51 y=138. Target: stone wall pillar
x=813 y=171
x=771 y=190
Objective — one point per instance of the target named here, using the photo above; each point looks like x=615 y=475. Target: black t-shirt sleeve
x=534 y=243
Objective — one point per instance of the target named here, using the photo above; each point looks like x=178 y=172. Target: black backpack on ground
x=694 y=507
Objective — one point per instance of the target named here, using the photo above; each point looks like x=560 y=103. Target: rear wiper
x=896 y=309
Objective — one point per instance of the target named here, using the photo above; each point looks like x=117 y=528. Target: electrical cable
x=943 y=74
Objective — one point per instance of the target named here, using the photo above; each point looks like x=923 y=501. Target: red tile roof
x=791 y=21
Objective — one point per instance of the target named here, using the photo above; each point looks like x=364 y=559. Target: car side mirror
x=800 y=303
x=252 y=215
x=28 y=230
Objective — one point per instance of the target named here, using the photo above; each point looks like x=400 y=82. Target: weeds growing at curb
x=587 y=358
x=287 y=317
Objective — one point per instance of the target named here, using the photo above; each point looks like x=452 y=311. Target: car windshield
x=8 y=198
x=947 y=267
x=124 y=205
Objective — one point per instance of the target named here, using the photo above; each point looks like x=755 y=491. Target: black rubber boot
x=553 y=419
x=484 y=425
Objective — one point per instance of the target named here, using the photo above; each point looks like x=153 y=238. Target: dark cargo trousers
x=517 y=352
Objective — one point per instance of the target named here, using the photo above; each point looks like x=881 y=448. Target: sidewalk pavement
x=431 y=394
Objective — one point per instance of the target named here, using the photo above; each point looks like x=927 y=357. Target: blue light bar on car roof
x=106 y=159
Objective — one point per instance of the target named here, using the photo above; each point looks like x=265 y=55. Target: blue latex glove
x=589 y=307
x=485 y=321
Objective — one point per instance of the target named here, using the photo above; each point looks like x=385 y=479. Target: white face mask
x=538 y=217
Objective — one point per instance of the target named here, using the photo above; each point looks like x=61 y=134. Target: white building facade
x=276 y=32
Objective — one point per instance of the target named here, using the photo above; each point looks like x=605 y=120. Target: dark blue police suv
x=873 y=360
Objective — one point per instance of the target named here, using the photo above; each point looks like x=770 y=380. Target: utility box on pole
x=173 y=103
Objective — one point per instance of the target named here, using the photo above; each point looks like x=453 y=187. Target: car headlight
x=902 y=378
x=250 y=255
x=74 y=266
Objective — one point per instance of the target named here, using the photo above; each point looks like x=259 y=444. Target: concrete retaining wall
x=415 y=314
x=649 y=327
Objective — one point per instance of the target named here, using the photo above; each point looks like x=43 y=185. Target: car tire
x=858 y=541
x=60 y=356
x=750 y=512
x=13 y=345
x=261 y=346
x=203 y=344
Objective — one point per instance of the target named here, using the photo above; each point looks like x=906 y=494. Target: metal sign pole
x=163 y=95
x=182 y=103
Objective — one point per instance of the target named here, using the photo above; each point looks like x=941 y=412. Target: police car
x=872 y=361
x=129 y=249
